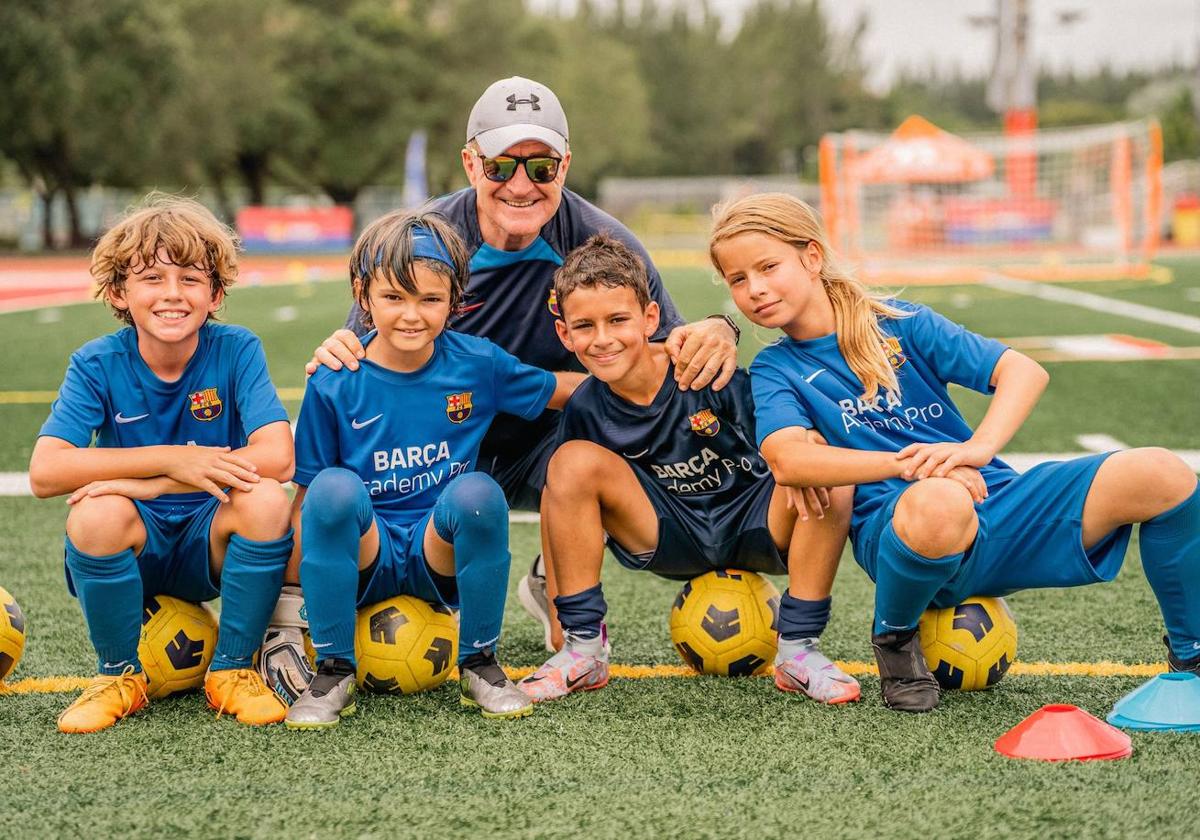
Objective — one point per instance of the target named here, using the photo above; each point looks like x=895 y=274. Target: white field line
x=1097 y=303
x=17 y=483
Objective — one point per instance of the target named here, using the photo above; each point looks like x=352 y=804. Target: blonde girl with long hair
x=937 y=516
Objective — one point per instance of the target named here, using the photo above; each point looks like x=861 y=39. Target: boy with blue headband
x=388 y=502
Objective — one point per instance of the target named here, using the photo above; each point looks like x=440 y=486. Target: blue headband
x=425 y=245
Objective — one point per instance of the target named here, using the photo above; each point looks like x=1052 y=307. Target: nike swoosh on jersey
x=122 y=420
x=638 y=455
x=356 y=425
x=470 y=307
x=809 y=379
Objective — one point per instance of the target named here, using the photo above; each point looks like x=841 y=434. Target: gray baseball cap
x=513 y=110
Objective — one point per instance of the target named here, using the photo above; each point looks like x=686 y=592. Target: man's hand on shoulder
x=341 y=349
x=704 y=353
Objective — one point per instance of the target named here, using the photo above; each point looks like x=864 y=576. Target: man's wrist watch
x=737 y=334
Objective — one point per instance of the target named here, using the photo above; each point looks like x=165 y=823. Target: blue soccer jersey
x=110 y=393
x=697 y=447
x=509 y=297
x=407 y=434
x=808 y=384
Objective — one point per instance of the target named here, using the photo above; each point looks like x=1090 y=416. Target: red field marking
x=34 y=282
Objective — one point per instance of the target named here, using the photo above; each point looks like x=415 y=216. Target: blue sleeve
x=78 y=411
x=316 y=436
x=520 y=389
x=777 y=404
x=257 y=400
x=953 y=353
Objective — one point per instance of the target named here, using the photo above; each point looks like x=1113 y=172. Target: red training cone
x=1064 y=733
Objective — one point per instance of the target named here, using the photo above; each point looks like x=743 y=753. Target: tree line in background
x=322 y=95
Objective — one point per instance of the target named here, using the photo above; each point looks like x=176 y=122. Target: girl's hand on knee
x=926 y=460
x=970 y=478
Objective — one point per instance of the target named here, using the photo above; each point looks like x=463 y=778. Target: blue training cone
x=1169 y=702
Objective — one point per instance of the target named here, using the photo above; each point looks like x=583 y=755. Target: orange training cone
x=1064 y=733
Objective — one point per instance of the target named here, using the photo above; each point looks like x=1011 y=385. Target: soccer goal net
x=924 y=205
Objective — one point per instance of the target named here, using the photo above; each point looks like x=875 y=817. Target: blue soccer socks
x=906 y=582
x=800 y=619
x=110 y=593
x=251 y=577
x=1170 y=546
x=334 y=515
x=472 y=515
x=582 y=614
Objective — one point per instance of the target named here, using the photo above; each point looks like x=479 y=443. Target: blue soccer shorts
x=401 y=569
x=689 y=545
x=1030 y=536
x=175 y=560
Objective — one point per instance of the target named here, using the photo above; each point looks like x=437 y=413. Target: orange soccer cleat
x=242 y=692
x=105 y=701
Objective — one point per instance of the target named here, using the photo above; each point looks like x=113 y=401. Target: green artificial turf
x=687 y=757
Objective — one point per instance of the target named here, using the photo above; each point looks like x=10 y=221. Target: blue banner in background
x=416 y=186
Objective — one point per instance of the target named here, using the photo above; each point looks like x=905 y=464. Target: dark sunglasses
x=541 y=170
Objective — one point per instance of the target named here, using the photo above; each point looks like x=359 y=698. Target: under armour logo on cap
x=532 y=101
x=514 y=110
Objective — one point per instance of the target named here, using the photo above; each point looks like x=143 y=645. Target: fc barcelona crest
x=205 y=405
x=895 y=355
x=458 y=406
x=552 y=303
x=705 y=423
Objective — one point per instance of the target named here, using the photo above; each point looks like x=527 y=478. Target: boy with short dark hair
x=390 y=502
x=182 y=492
x=675 y=481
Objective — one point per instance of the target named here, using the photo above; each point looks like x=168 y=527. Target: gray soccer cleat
x=904 y=676
x=486 y=687
x=531 y=591
x=329 y=698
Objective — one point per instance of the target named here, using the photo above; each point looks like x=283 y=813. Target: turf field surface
x=649 y=756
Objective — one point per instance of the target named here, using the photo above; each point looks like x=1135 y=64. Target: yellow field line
x=58 y=685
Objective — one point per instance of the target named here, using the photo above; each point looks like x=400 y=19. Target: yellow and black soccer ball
x=970 y=646
x=177 y=644
x=12 y=633
x=724 y=622
x=405 y=645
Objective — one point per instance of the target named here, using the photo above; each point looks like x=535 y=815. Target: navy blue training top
x=697 y=446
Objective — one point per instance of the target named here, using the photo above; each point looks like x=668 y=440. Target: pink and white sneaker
x=582 y=665
x=800 y=667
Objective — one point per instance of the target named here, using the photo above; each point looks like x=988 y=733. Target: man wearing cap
x=519 y=222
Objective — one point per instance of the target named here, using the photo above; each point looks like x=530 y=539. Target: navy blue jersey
x=509 y=297
x=407 y=434
x=698 y=446
x=808 y=384
x=223 y=396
